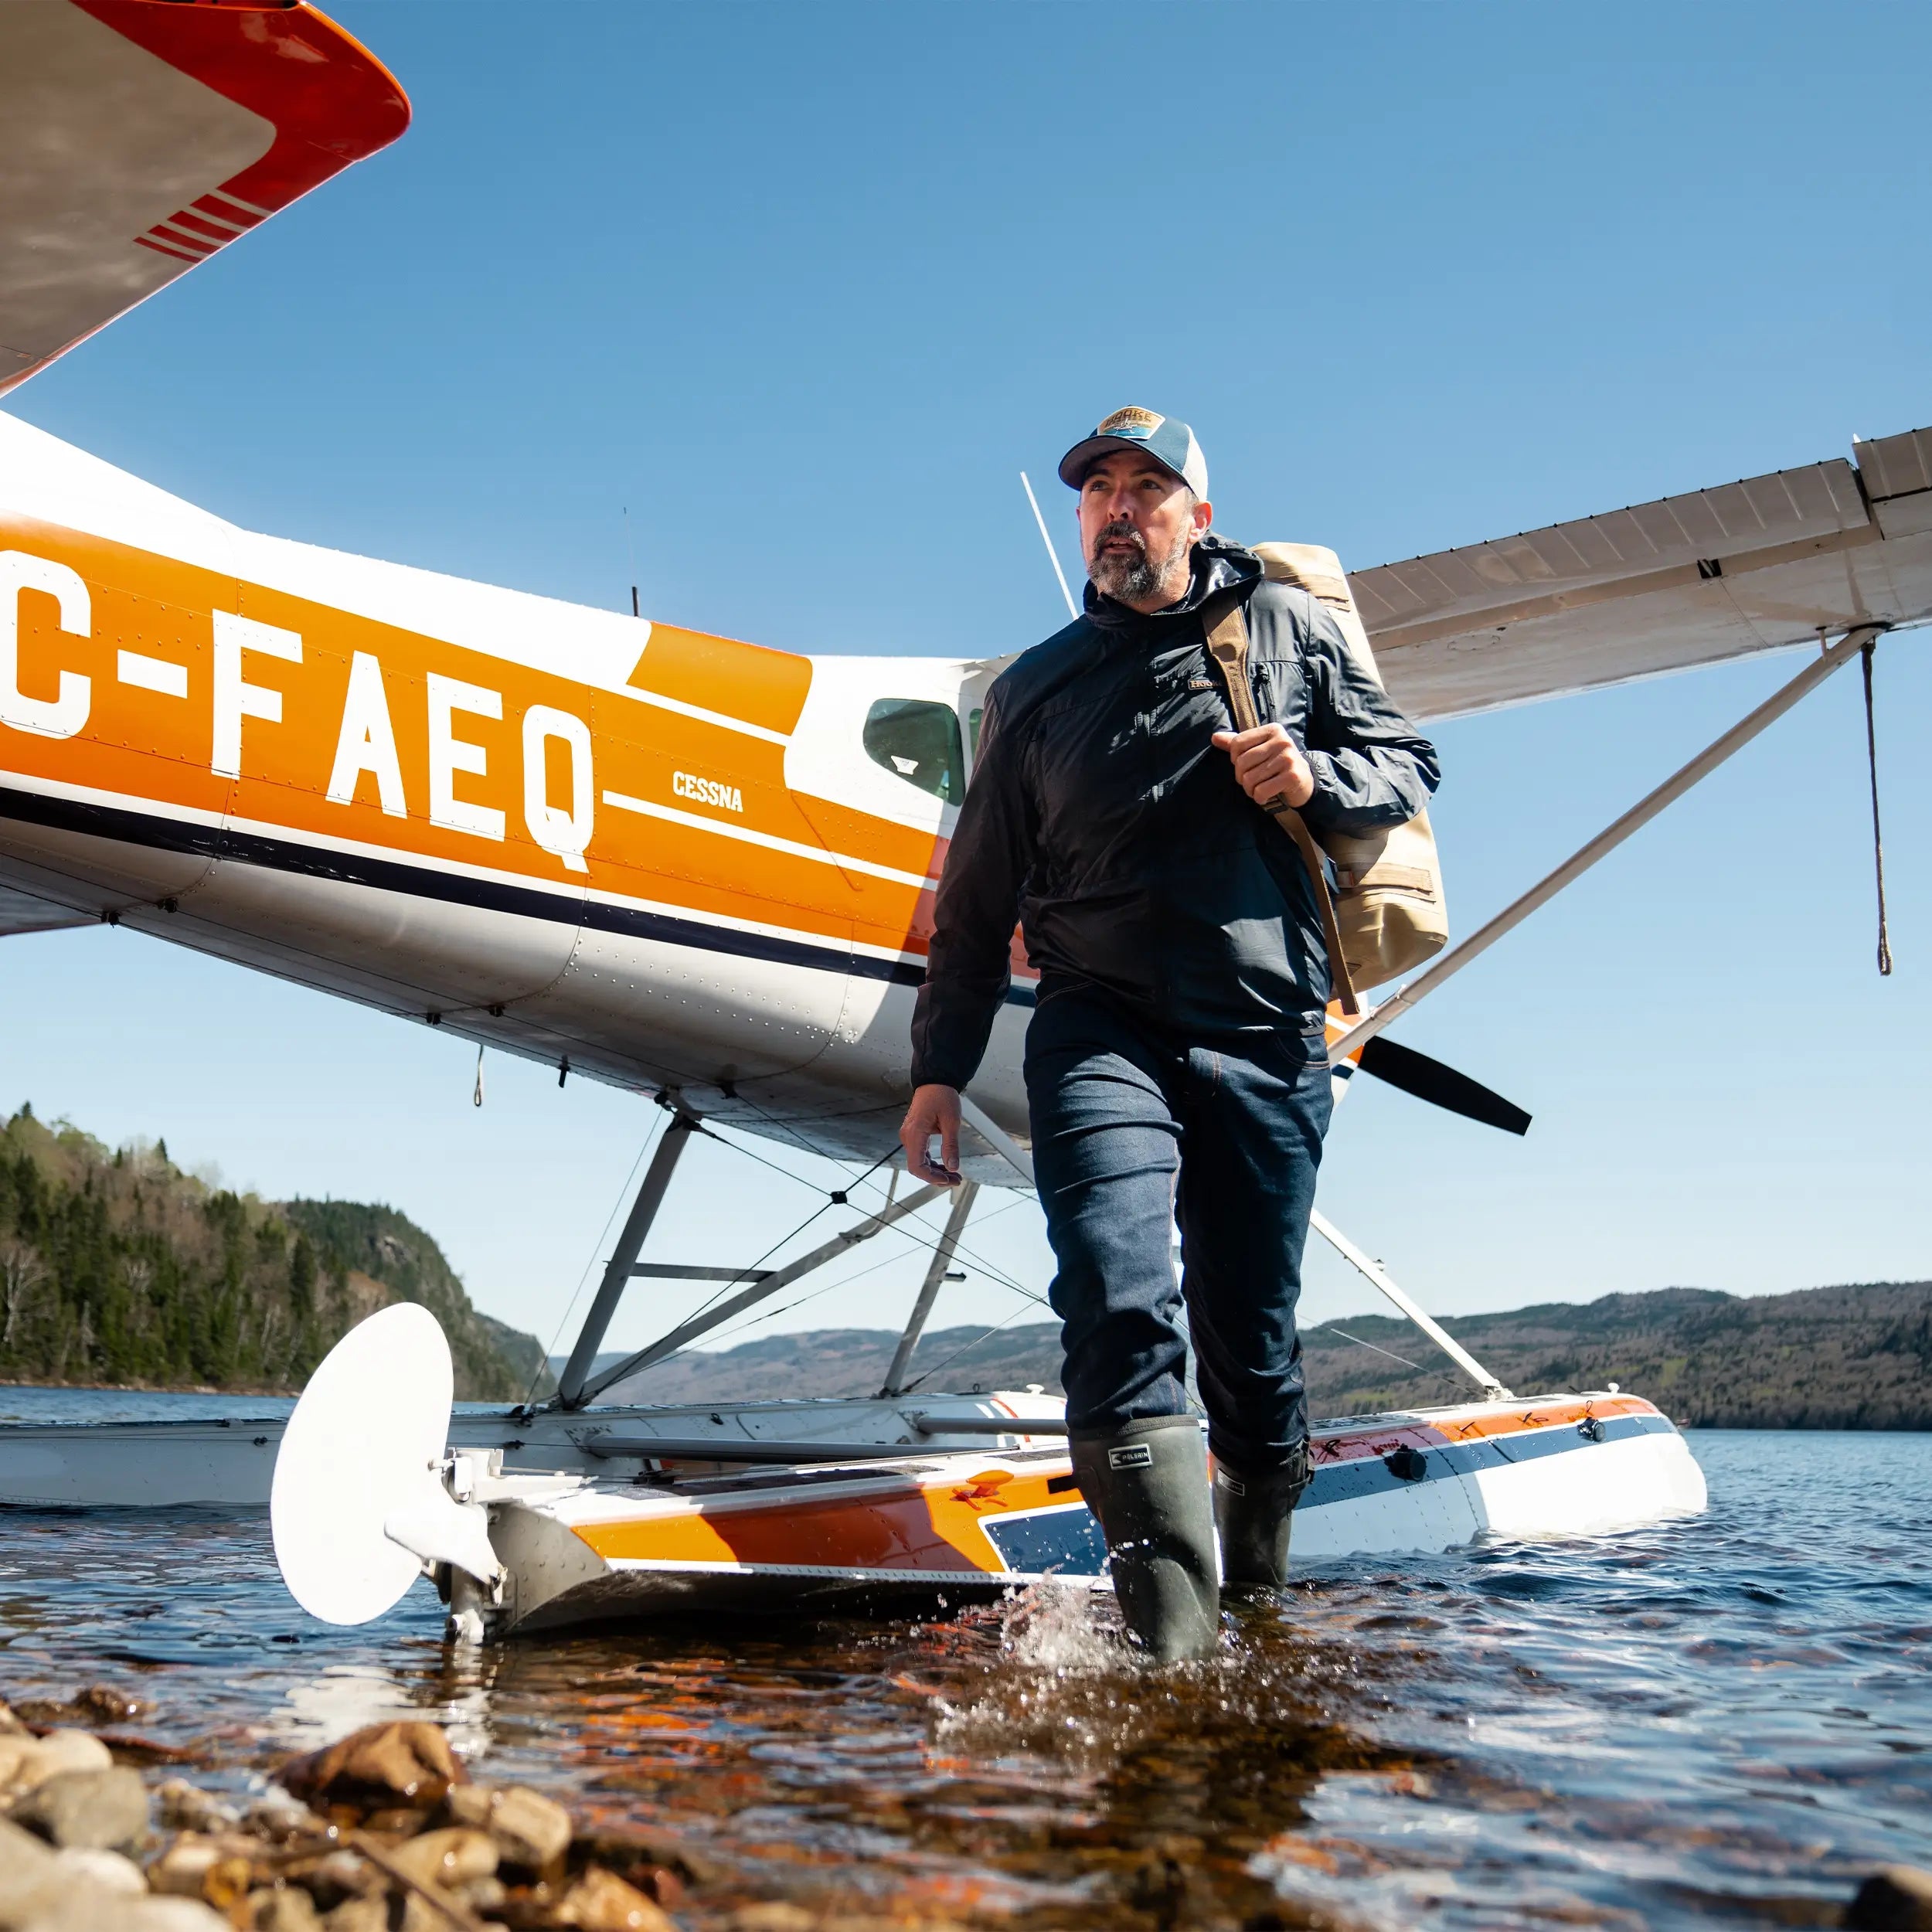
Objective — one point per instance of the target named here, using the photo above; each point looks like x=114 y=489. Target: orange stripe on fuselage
x=909 y=1527
x=158 y=750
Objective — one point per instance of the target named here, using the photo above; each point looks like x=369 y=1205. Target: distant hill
x=1842 y=1358
x=116 y=1266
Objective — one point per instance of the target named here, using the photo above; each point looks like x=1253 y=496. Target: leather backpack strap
x=1227 y=643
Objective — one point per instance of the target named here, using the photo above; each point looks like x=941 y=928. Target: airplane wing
x=140 y=136
x=1691 y=579
x=23 y=912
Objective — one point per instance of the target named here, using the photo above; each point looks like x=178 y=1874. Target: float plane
x=699 y=869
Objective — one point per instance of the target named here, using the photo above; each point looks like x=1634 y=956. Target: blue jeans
x=1132 y=1125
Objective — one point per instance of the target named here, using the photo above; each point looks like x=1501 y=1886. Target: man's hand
x=935 y=1110
x=1268 y=764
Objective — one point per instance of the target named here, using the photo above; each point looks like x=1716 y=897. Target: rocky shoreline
x=384 y=1830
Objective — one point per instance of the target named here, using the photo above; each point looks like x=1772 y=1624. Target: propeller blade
x=1440 y=1086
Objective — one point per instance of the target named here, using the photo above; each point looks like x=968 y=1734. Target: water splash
x=1064 y=1627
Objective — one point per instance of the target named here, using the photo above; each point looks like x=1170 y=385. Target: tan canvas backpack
x=1387 y=914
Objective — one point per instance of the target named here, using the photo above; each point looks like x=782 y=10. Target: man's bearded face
x=1122 y=566
x=1137 y=521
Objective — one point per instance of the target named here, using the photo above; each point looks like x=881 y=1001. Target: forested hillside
x=1844 y=1358
x=118 y=1267
x=1847 y=1358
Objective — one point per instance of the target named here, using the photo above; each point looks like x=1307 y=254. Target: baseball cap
x=1169 y=442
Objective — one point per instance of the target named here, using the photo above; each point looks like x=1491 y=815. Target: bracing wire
x=929 y=1241
x=859 y=1274
x=837 y=1197
x=1390 y=1352
x=965 y=1348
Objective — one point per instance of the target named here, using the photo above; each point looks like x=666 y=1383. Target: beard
x=1136 y=577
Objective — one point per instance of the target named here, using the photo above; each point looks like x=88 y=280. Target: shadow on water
x=1723 y=1722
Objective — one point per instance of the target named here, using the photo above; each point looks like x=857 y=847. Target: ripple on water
x=1718 y=1722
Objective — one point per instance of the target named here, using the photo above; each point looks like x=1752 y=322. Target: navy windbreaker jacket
x=1102 y=817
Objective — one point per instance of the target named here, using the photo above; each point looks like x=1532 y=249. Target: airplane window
x=918 y=741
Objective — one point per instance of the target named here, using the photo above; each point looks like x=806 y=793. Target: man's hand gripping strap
x=1227 y=643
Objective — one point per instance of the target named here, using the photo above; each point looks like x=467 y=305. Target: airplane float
x=697 y=869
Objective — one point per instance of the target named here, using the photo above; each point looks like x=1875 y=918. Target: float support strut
x=929 y=1289
x=760 y=1284
x=572 y=1391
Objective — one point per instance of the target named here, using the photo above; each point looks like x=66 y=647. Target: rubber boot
x=1148 y=1487
x=1253 y=1515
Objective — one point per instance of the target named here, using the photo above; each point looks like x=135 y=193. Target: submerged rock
x=96 y=1704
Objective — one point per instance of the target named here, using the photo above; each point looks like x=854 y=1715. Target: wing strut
x=1446 y=965
x=1492 y=1389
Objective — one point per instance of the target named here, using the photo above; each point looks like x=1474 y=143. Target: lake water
x=1724 y=1722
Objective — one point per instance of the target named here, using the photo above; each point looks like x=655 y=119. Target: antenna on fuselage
x=631 y=551
x=1072 y=610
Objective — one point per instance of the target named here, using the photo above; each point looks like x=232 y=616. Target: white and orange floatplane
x=700 y=870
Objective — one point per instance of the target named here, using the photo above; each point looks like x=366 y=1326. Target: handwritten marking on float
x=152 y=674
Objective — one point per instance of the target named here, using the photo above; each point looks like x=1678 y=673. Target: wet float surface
x=1727 y=1721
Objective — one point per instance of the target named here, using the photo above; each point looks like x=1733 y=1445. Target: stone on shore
x=409 y=1761
x=1896 y=1898
x=282 y=1908
x=600 y=1901
x=358 y=1915
x=97 y=1810
x=108 y=1870
x=43 y=1890
x=27 y=1761
x=532 y=1832
x=183 y=1807
x=450 y=1857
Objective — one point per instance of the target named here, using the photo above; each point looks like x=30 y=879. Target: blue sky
x=805 y=289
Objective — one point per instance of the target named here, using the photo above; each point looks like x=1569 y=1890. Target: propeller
x=1440 y=1086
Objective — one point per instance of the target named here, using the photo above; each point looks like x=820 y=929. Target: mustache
x=1120 y=528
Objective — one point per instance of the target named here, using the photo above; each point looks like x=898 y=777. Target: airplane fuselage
x=670 y=860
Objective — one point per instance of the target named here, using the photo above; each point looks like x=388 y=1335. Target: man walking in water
x=1175 y=1063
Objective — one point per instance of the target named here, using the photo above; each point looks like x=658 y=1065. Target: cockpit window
x=919 y=741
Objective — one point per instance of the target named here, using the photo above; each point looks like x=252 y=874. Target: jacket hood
x=1218 y=564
